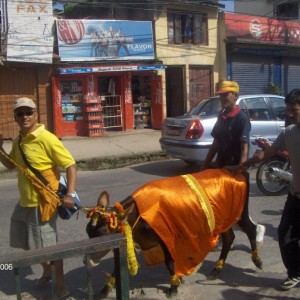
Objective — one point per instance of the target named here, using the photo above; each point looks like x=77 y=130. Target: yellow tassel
x=131 y=258
x=110 y=282
x=220 y=264
x=174 y=280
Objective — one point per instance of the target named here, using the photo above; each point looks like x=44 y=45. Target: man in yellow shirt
x=45 y=153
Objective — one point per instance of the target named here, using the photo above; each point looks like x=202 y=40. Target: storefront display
x=94 y=115
x=142 y=115
x=89 y=103
x=71 y=93
x=141 y=90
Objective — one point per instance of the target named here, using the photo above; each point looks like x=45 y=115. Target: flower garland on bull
x=114 y=225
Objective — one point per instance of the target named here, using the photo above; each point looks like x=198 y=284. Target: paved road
x=239 y=281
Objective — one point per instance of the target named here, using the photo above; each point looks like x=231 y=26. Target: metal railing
x=117 y=242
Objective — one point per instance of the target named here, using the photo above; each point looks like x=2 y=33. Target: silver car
x=188 y=137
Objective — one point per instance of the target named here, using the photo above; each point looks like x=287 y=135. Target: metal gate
x=253 y=73
x=290 y=74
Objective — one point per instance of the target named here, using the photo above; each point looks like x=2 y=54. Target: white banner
x=30 y=35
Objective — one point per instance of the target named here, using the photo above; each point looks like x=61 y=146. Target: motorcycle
x=273 y=175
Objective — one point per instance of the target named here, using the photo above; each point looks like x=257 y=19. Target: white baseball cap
x=26 y=102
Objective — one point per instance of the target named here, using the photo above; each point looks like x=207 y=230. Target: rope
x=136 y=222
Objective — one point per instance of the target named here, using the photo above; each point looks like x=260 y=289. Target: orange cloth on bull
x=187 y=223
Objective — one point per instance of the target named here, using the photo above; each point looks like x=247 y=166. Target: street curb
x=104 y=163
x=113 y=162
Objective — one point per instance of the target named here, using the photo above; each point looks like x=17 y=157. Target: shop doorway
x=141 y=95
x=176 y=104
x=109 y=88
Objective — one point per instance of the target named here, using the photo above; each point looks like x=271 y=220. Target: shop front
x=115 y=84
x=262 y=52
x=88 y=101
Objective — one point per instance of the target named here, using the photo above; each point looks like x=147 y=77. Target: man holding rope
x=30 y=228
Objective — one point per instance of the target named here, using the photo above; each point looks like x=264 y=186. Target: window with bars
x=187 y=28
x=287 y=11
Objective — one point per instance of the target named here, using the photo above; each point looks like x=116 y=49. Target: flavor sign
x=90 y=40
x=262 y=29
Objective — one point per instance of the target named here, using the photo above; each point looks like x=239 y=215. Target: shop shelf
x=97 y=132
x=95 y=126
x=93 y=108
x=92 y=101
x=95 y=118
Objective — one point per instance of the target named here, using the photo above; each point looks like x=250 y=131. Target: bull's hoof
x=103 y=293
x=256 y=259
x=258 y=263
x=172 y=291
x=214 y=274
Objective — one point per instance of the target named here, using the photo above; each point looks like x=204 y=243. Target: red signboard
x=262 y=29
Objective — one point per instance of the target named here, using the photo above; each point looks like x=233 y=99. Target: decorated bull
x=177 y=221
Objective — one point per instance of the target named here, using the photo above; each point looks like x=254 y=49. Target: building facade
x=102 y=79
x=263 y=54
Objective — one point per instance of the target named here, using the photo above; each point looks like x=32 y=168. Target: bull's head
x=101 y=217
x=104 y=220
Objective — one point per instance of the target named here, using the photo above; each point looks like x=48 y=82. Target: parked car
x=188 y=137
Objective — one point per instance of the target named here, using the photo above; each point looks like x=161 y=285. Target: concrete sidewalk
x=115 y=149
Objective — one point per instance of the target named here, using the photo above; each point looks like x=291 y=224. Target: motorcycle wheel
x=269 y=183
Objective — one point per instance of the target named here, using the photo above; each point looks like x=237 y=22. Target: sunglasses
x=26 y=113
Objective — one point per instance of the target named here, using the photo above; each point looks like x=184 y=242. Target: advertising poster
x=30 y=31
x=90 y=40
x=262 y=29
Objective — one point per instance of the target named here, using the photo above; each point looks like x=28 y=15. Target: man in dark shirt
x=231 y=135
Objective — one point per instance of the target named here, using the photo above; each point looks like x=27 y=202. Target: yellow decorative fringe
x=220 y=264
x=111 y=282
x=131 y=258
x=174 y=280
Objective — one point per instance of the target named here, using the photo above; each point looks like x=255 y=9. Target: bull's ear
x=103 y=199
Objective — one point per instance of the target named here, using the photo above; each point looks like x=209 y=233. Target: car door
x=262 y=120
x=278 y=109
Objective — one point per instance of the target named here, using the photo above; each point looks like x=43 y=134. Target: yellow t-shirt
x=43 y=151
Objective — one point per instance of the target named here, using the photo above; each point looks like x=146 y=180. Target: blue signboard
x=90 y=40
x=114 y=68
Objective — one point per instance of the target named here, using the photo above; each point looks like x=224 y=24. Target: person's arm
x=210 y=155
x=244 y=152
x=256 y=158
x=71 y=172
x=3 y=156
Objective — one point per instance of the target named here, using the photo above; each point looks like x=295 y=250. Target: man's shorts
x=27 y=231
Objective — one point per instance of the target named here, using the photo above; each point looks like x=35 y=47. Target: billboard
x=247 y=27
x=30 y=31
x=90 y=40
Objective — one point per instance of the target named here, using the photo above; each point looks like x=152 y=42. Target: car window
x=278 y=106
x=257 y=108
x=243 y=106
x=208 y=108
